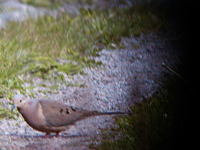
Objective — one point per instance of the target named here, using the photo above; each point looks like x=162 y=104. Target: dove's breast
x=36 y=119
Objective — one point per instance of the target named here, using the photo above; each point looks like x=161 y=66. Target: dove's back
x=59 y=114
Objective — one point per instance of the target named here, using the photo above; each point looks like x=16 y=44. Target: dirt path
x=127 y=75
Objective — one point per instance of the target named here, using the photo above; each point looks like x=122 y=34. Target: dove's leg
x=46 y=135
x=57 y=134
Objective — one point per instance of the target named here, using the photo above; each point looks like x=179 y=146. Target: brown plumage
x=51 y=116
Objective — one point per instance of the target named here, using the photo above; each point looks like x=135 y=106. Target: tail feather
x=97 y=113
x=111 y=113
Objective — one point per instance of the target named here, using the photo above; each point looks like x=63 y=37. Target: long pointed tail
x=97 y=113
x=111 y=113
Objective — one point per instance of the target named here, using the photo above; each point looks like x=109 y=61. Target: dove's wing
x=59 y=114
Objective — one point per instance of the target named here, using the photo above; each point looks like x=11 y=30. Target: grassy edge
x=156 y=122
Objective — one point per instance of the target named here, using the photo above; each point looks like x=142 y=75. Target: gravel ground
x=127 y=76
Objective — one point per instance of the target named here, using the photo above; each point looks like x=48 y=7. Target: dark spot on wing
x=73 y=109
x=61 y=110
x=67 y=111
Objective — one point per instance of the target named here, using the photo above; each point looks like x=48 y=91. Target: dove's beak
x=14 y=106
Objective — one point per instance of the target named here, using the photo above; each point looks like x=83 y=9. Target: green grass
x=48 y=46
x=157 y=122
x=52 y=4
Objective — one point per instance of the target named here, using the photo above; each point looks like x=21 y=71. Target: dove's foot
x=46 y=135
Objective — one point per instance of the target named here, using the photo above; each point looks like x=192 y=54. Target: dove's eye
x=20 y=100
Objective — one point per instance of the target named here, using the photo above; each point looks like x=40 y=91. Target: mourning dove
x=48 y=116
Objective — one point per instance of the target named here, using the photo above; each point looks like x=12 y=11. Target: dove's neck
x=30 y=108
x=32 y=114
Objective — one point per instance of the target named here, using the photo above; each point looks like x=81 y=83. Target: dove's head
x=19 y=102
